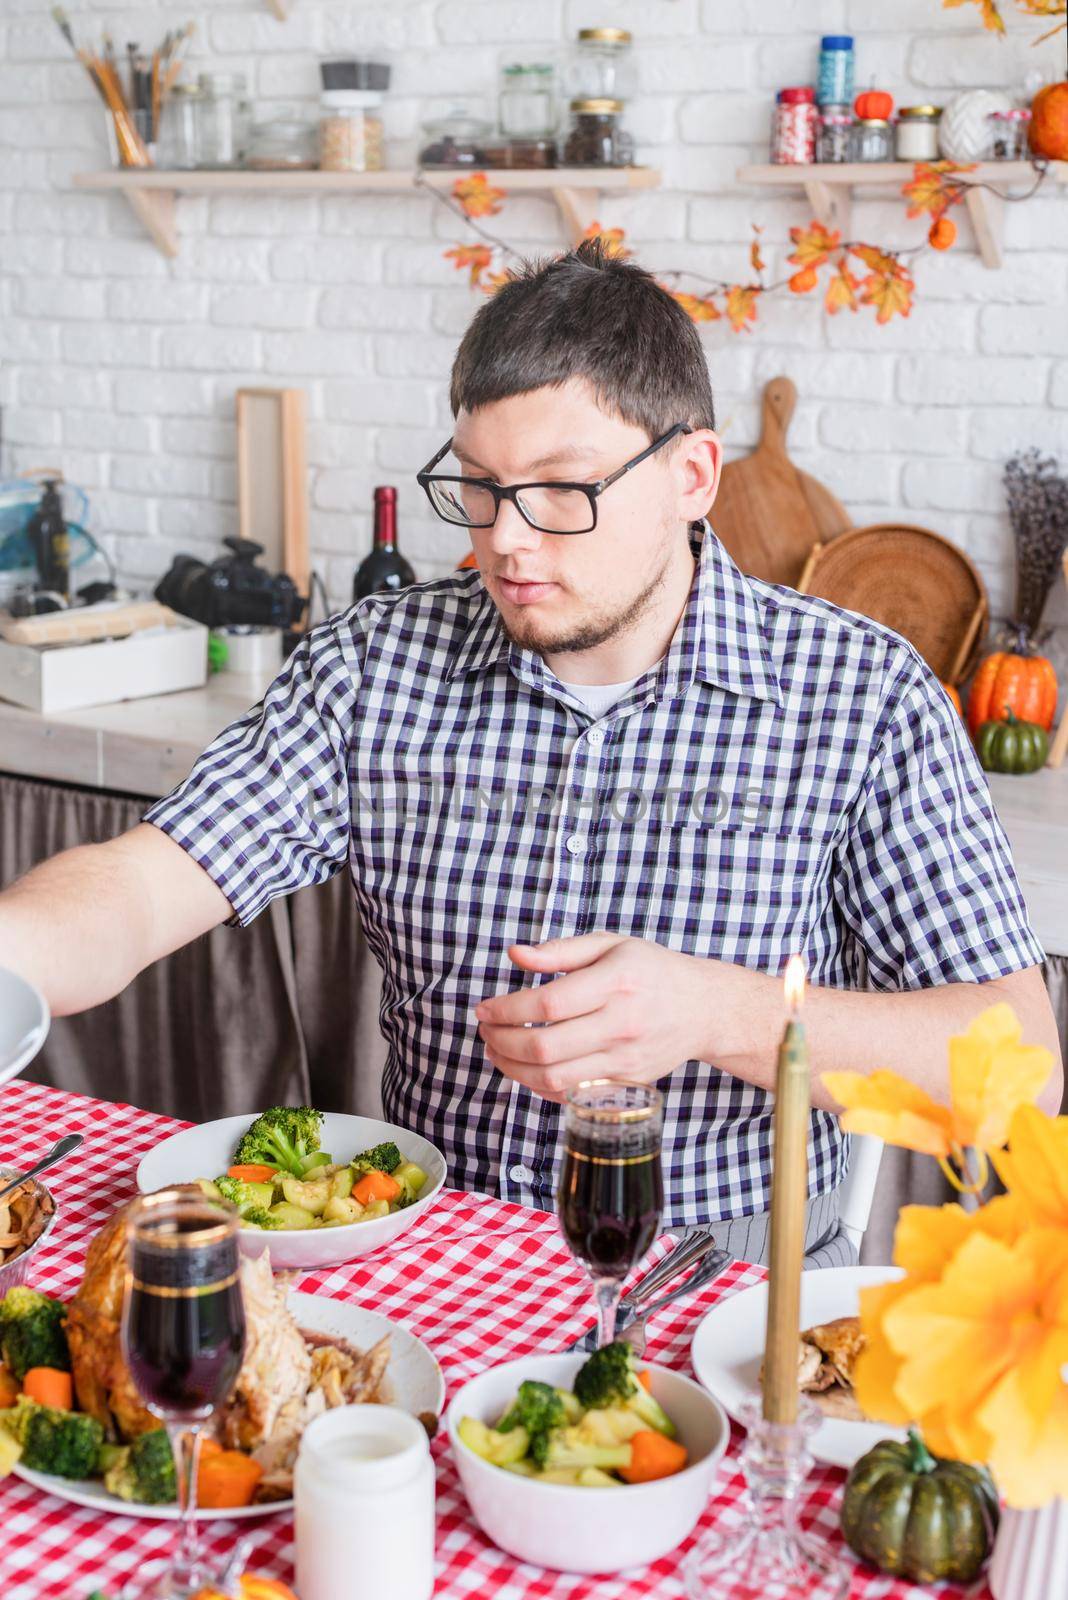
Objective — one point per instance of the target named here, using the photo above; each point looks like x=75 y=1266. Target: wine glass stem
x=607 y=1290
x=186 y=1569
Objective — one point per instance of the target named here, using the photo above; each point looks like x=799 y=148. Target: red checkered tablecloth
x=479 y=1280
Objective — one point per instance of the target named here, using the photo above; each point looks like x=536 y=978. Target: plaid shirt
x=790 y=777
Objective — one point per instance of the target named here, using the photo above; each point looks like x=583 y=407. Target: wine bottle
x=385 y=567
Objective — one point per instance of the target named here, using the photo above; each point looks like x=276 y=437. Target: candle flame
x=795 y=983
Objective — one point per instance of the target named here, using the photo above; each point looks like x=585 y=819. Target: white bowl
x=24 y=1022
x=588 y=1530
x=207 y=1150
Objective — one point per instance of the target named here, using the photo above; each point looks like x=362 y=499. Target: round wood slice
x=909 y=579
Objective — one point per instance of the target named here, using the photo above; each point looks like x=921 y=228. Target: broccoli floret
x=259 y=1217
x=245 y=1196
x=610 y=1377
x=145 y=1471
x=66 y=1443
x=571 y=1447
x=283 y=1137
x=539 y=1409
x=380 y=1158
x=31 y=1332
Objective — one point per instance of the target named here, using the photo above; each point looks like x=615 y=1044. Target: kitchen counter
x=145 y=747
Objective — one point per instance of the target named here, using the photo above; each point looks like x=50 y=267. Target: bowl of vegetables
x=586 y=1463
x=317 y=1188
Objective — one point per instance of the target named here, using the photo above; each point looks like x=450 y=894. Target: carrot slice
x=645 y=1378
x=226 y=1478
x=49 y=1387
x=375 y=1185
x=652 y=1456
x=251 y=1173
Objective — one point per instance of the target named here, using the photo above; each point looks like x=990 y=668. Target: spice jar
x=457 y=139
x=916 y=135
x=350 y=131
x=833 y=134
x=601 y=66
x=835 y=82
x=595 y=137
x=287 y=141
x=1009 y=135
x=527 y=100
x=872 y=140
x=363 y=1494
x=793 y=134
x=177 y=147
x=223 y=118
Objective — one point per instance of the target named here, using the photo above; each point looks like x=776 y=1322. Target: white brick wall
x=121 y=367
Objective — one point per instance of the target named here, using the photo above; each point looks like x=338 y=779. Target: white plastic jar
x=364 y=1504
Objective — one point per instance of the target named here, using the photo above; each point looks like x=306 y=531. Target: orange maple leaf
x=701 y=308
x=991 y=16
x=472 y=258
x=813 y=245
x=842 y=289
x=756 y=260
x=889 y=292
x=611 y=238
x=492 y=281
x=477 y=195
x=741 y=306
x=932 y=188
x=876 y=260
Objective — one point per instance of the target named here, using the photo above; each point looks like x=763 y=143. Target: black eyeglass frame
x=512 y=491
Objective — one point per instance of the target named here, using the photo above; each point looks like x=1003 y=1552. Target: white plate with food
x=728 y=1349
x=24 y=1023
x=304 y=1202
x=304 y=1354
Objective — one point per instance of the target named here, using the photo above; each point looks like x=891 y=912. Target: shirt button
x=575 y=845
x=521 y=1175
x=595 y=736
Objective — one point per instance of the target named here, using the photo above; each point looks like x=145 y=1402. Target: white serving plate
x=728 y=1348
x=207 y=1150
x=413 y=1374
x=24 y=1023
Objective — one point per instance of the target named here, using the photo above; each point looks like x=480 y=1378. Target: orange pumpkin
x=253 y=1587
x=874 y=105
x=954 y=695
x=1024 y=685
x=1049 y=122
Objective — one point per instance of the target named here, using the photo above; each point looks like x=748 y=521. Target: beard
x=586 y=633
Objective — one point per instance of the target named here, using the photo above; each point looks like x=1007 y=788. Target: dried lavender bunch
x=1038 y=510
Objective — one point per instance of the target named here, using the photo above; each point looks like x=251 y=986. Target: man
x=593 y=795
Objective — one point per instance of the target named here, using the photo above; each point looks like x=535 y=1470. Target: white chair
x=24 y=1023
x=858 y=1187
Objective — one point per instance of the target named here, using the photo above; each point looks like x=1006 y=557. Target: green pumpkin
x=1011 y=746
x=916 y=1516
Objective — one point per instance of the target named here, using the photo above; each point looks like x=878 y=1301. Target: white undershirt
x=600 y=697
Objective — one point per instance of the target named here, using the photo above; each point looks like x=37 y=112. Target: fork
x=693 y=1248
x=710 y=1267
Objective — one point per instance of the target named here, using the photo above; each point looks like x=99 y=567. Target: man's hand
x=627 y=1008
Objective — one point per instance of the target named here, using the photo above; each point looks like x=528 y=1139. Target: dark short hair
x=589 y=315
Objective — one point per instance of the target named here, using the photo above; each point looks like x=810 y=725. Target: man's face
x=558 y=593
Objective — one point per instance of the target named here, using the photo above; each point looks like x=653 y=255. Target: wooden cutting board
x=767 y=514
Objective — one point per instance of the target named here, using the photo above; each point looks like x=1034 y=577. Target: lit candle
x=789 y=1186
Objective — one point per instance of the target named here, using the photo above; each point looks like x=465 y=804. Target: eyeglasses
x=548 y=507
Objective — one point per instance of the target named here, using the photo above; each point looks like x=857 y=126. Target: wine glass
x=183 y=1340
x=611 y=1189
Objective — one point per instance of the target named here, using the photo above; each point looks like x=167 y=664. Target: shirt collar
x=719 y=639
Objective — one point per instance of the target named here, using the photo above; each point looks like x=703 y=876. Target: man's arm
x=83 y=924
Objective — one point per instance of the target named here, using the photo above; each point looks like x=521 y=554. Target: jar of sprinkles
x=793 y=137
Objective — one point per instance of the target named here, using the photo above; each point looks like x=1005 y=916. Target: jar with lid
x=873 y=140
x=287 y=141
x=363 y=1494
x=458 y=137
x=595 y=137
x=223 y=119
x=916 y=134
x=1009 y=134
x=835 y=83
x=601 y=65
x=833 y=133
x=177 y=147
x=527 y=99
x=350 y=131
x=793 y=131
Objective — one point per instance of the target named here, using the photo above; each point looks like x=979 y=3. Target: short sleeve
x=924 y=876
x=265 y=810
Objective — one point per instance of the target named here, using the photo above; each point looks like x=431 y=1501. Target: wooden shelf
x=830 y=187
x=150 y=191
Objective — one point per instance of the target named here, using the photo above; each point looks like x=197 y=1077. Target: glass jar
x=177 y=148
x=223 y=119
x=835 y=85
x=350 y=131
x=872 y=140
x=286 y=142
x=1009 y=135
x=916 y=134
x=459 y=138
x=601 y=66
x=527 y=100
x=595 y=137
x=833 y=134
x=793 y=132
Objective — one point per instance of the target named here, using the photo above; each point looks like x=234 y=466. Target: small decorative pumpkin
x=1012 y=746
x=1024 y=685
x=954 y=695
x=874 y=105
x=917 y=1516
x=1049 y=122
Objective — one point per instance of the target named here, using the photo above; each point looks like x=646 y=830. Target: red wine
x=385 y=568
x=184 y=1320
x=610 y=1198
